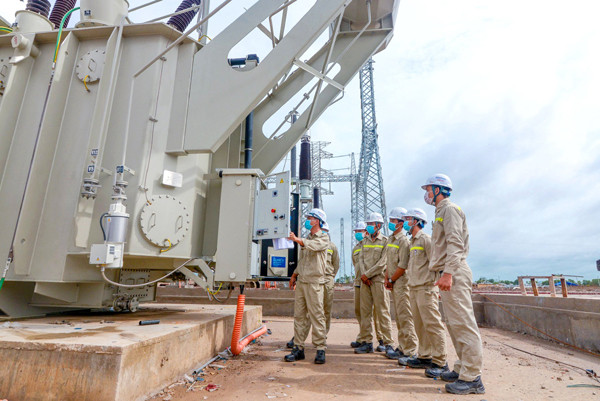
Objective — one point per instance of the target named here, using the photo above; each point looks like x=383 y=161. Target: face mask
x=392 y=226
x=428 y=200
x=307 y=225
x=359 y=236
x=406 y=226
x=371 y=230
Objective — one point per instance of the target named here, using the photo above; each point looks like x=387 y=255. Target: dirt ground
x=261 y=374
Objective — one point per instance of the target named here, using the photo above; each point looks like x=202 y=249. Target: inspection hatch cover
x=91 y=65
x=164 y=221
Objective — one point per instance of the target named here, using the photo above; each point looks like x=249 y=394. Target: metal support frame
x=320 y=75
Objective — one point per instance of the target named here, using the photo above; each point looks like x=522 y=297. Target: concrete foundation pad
x=110 y=356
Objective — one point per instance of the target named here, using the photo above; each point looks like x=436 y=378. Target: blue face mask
x=371 y=230
x=406 y=226
x=307 y=225
x=392 y=226
x=359 y=236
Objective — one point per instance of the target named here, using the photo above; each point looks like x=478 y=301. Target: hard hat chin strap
x=417 y=223
x=443 y=191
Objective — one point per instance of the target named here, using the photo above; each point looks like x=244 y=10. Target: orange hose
x=236 y=345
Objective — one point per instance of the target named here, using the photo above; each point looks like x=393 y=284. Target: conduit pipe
x=238 y=345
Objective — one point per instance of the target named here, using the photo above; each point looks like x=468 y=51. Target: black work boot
x=290 y=344
x=320 y=358
x=365 y=348
x=380 y=347
x=355 y=344
x=450 y=376
x=394 y=354
x=435 y=371
x=463 y=387
x=297 y=354
x=419 y=363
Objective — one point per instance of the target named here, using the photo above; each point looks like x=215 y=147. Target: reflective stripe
x=414 y=248
x=372 y=246
x=330 y=251
x=394 y=246
x=439 y=219
x=357 y=251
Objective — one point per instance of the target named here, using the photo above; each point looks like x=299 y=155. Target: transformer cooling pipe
x=248 y=139
x=181 y=21
x=316 y=198
x=294 y=118
x=41 y=7
x=61 y=7
x=305 y=167
x=236 y=345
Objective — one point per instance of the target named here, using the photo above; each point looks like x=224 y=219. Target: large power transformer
x=128 y=150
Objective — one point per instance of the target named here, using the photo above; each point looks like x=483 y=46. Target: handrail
x=182 y=38
x=144 y=5
x=192 y=8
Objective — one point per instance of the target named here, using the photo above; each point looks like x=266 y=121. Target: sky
x=501 y=96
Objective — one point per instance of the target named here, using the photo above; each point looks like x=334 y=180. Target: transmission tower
x=370 y=196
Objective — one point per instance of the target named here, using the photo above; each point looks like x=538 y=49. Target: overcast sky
x=501 y=96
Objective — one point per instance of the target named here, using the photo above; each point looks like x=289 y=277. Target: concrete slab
x=109 y=357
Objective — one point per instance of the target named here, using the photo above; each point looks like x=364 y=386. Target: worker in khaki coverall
x=397 y=262
x=333 y=265
x=372 y=290
x=359 y=233
x=308 y=280
x=450 y=248
x=424 y=299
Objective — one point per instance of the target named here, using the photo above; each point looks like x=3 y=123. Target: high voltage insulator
x=61 y=7
x=181 y=21
x=41 y=7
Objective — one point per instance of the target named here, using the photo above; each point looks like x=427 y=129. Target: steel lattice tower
x=370 y=196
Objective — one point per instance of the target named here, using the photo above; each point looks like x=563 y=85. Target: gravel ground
x=509 y=374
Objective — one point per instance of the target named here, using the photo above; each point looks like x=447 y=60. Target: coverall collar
x=398 y=235
x=442 y=203
x=379 y=236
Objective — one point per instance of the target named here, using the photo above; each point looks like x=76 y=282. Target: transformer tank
x=122 y=153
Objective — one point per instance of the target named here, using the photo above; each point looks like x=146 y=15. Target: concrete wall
x=274 y=302
x=573 y=320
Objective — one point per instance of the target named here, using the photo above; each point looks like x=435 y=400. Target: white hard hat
x=360 y=226
x=317 y=213
x=374 y=217
x=417 y=214
x=397 y=213
x=325 y=227
x=441 y=180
